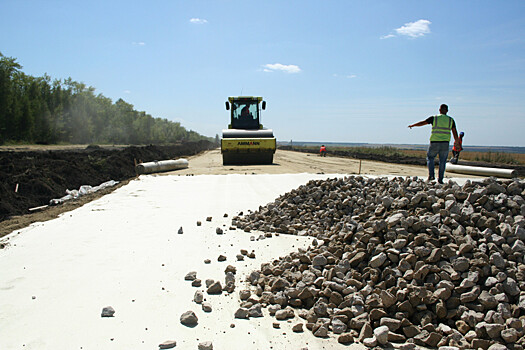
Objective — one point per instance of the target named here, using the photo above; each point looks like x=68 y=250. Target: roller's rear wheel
x=247 y=158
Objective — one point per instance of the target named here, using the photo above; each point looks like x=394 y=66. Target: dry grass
x=388 y=151
x=488 y=157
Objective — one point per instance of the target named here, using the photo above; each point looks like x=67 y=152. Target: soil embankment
x=31 y=178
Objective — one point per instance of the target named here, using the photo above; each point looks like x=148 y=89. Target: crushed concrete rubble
x=397 y=261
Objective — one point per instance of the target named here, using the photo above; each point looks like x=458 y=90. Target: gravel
x=398 y=260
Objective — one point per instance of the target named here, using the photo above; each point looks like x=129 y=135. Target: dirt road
x=289 y=162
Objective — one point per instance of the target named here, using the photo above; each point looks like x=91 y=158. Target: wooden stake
x=38 y=208
x=359 y=173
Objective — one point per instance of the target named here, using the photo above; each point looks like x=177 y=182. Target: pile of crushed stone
x=398 y=261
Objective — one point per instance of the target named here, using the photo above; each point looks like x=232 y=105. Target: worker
x=245 y=112
x=322 y=151
x=442 y=124
x=458 y=147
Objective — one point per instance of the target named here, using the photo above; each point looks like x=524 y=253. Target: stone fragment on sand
x=206 y=307
x=196 y=283
x=229 y=277
x=190 y=276
x=205 y=345
x=255 y=311
x=230 y=268
x=244 y=294
x=168 y=344
x=345 y=338
x=272 y=309
x=297 y=328
x=215 y=288
x=108 y=311
x=321 y=332
x=284 y=314
x=241 y=313
x=189 y=319
x=338 y=326
x=198 y=297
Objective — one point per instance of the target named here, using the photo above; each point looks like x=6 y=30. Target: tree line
x=45 y=111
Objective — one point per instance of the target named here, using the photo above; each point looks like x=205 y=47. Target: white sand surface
x=123 y=250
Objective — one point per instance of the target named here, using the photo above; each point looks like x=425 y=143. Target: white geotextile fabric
x=82 y=191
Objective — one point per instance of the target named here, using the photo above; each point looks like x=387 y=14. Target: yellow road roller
x=246 y=141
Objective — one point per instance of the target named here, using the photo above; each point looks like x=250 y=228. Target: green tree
x=37 y=109
x=8 y=69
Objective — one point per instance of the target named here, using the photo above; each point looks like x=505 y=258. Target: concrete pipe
x=480 y=171
x=163 y=165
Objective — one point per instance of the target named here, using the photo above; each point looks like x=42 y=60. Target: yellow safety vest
x=441 y=128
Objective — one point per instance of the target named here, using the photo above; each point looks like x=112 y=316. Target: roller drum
x=244 y=133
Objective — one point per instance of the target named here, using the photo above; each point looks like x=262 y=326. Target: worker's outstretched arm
x=421 y=123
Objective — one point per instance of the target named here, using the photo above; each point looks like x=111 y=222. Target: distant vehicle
x=245 y=141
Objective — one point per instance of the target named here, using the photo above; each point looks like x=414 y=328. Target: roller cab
x=246 y=141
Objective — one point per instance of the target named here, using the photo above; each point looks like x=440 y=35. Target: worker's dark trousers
x=441 y=149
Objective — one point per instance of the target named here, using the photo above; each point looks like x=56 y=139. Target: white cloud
x=291 y=68
x=411 y=29
x=415 y=29
x=349 y=76
x=127 y=92
x=387 y=36
x=198 y=21
x=139 y=43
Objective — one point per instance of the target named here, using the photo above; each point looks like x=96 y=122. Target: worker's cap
x=461 y=133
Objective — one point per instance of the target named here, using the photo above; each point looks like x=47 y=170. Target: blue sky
x=340 y=71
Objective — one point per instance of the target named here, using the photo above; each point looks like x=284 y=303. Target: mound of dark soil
x=44 y=175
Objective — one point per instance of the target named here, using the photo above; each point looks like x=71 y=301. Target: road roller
x=246 y=141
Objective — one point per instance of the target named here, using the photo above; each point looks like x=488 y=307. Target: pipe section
x=162 y=165
x=481 y=171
